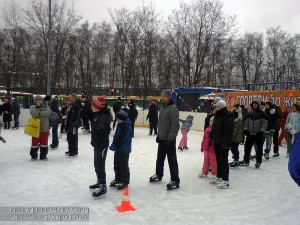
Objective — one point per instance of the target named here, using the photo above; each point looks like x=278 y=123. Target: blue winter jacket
x=123 y=137
x=294 y=160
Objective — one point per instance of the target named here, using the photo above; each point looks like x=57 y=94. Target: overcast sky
x=252 y=15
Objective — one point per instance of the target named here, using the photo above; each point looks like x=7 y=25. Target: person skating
x=116 y=109
x=73 y=123
x=279 y=116
x=185 y=128
x=237 y=135
x=292 y=126
x=222 y=134
x=255 y=125
x=100 y=141
x=153 y=118
x=207 y=146
x=168 y=127
x=86 y=114
x=16 y=111
x=63 y=115
x=42 y=112
x=271 y=126
x=6 y=110
x=132 y=114
x=285 y=113
x=121 y=145
x=54 y=107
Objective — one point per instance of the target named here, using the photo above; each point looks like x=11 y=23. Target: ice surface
x=256 y=196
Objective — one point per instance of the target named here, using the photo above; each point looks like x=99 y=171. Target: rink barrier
x=198 y=121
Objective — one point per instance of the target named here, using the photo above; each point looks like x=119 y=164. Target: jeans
x=55 y=141
x=268 y=138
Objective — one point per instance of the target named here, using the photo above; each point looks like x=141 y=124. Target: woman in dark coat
x=6 y=111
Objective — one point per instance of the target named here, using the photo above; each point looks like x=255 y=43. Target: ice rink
x=264 y=196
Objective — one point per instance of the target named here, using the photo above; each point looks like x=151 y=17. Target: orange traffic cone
x=125 y=204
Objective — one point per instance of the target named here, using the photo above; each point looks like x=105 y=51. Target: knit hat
x=167 y=93
x=216 y=99
x=221 y=104
x=47 y=98
x=152 y=102
x=122 y=115
x=99 y=103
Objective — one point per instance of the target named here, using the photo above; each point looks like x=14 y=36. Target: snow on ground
x=256 y=196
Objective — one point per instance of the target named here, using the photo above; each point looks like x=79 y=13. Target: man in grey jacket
x=168 y=127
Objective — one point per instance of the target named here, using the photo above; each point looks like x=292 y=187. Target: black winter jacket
x=272 y=119
x=73 y=117
x=223 y=127
x=100 y=129
x=255 y=120
x=133 y=114
x=153 y=114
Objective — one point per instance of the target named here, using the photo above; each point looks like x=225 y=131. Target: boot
x=100 y=191
x=34 y=153
x=43 y=153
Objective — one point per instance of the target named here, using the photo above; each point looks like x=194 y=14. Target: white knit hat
x=221 y=104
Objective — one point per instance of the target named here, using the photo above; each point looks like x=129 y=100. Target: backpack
x=53 y=119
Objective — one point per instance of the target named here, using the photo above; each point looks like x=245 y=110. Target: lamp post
x=49 y=52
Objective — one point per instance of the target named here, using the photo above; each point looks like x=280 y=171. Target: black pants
x=275 y=141
x=72 y=138
x=99 y=164
x=153 y=126
x=6 y=125
x=16 y=119
x=250 y=140
x=132 y=127
x=170 y=152
x=86 y=123
x=63 y=126
x=121 y=168
x=222 y=162
x=235 y=150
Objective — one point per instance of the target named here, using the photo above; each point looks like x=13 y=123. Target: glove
x=168 y=143
x=247 y=133
x=224 y=146
x=157 y=139
x=210 y=142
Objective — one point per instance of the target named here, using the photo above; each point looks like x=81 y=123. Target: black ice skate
x=100 y=191
x=235 y=163
x=95 y=186
x=185 y=147
x=121 y=186
x=267 y=156
x=257 y=165
x=276 y=155
x=243 y=163
x=114 y=183
x=172 y=185
x=155 y=178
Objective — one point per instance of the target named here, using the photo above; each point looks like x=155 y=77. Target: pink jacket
x=205 y=141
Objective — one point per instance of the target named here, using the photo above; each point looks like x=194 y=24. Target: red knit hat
x=152 y=102
x=99 y=103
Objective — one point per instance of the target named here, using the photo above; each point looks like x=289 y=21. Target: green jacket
x=43 y=114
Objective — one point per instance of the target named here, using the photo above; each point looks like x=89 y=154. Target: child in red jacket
x=207 y=146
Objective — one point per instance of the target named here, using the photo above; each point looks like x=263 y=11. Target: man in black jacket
x=100 y=142
x=86 y=114
x=132 y=114
x=271 y=126
x=16 y=111
x=153 y=117
x=73 y=123
x=222 y=134
x=255 y=126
